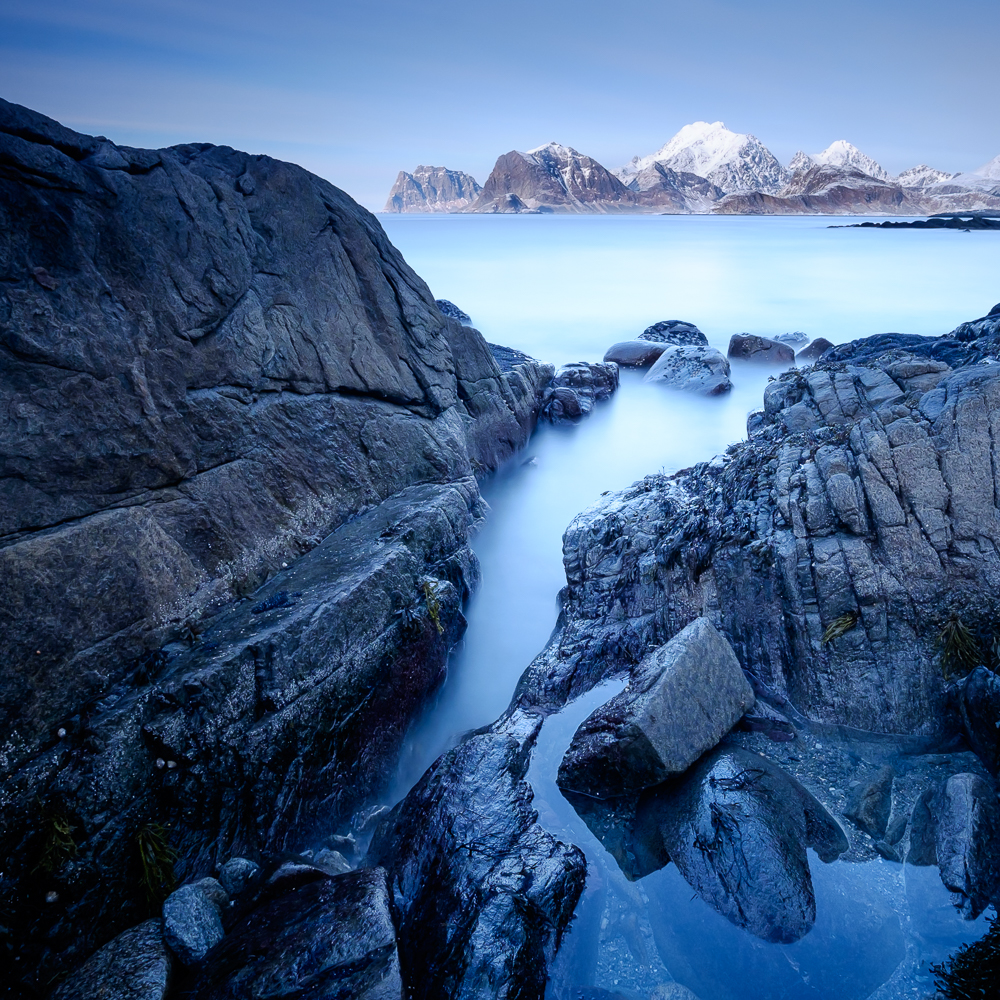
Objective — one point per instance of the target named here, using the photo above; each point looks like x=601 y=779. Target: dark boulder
x=192 y=919
x=575 y=389
x=979 y=703
x=328 y=939
x=133 y=966
x=761 y=350
x=870 y=804
x=814 y=351
x=675 y=332
x=694 y=369
x=634 y=353
x=681 y=700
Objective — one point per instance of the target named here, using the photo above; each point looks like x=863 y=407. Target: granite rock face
x=682 y=699
x=864 y=499
x=692 y=369
x=237 y=491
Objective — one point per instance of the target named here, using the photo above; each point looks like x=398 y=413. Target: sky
x=356 y=91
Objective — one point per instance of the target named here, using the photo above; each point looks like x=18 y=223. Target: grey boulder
x=814 y=351
x=749 y=347
x=681 y=700
x=871 y=802
x=192 y=920
x=694 y=369
x=133 y=966
x=235 y=875
x=675 y=332
x=634 y=353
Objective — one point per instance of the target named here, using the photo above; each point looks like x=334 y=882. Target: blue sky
x=357 y=91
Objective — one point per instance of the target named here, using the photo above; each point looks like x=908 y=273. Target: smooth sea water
x=564 y=288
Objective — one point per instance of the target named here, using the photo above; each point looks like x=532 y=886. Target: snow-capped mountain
x=984 y=178
x=432 y=189
x=731 y=160
x=921 y=176
x=552 y=178
x=840 y=154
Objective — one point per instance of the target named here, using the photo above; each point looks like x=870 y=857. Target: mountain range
x=704 y=168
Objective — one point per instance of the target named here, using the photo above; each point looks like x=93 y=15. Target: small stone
x=171 y=764
x=61 y=733
x=160 y=763
x=192 y=924
x=52 y=896
x=236 y=874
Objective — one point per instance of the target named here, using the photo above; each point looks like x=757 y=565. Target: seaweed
x=433 y=606
x=973 y=971
x=960 y=652
x=58 y=845
x=840 y=626
x=157 y=858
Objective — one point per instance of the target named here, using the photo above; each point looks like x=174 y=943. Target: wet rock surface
x=575 y=389
x=634 y=353
x=327 y=939
x=675 y=332
x=134 y=966
x=760 y=350
x=482 y=894
x=192 y=920
x=681 y=700
x=693 y=369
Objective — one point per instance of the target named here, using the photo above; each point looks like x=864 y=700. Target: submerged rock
x=749 y=347
x=133 y=966
x=956 y=826
x=681 y=699
x=574 y=390
x=634 y=353
x=675 y=332
x=694 y=369
x=327 y=939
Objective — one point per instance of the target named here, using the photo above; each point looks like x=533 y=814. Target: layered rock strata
x=238 y=489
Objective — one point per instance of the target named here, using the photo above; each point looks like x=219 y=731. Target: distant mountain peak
x=733 y=161
x=840 y=153
x=432 y=189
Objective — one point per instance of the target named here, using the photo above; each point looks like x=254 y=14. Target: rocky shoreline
x=241 y=484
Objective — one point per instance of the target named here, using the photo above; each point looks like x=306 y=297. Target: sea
x=564 y=289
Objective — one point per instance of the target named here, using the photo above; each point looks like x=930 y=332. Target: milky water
x=563 y=289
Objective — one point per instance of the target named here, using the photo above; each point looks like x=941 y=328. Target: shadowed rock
x=682 y=698
x=329 y=939
x=748 y=347
x=694 y=369
x=871 y=803
x=979 y=704
x=814 y=351
x=574 y=390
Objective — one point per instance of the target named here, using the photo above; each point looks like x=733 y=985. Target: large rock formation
x=432 y=189
x=211 y=363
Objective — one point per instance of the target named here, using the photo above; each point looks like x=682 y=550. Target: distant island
x=704 y=169
x=965 y=221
